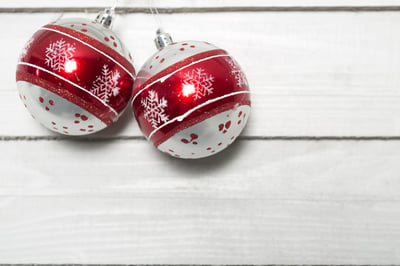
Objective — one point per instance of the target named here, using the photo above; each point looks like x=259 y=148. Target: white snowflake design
x=237 y=72
x=154 y=107
x=26 y=48
x=105 y=84
x=202 y=82
x=58 y=53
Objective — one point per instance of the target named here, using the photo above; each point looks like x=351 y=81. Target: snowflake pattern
x=202 y=82
x=58 y=53
x=105 y=84
x=237 y=72
x=26 y=48
x=154 y=107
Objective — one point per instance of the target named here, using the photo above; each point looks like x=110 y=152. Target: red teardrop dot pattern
x=193 y=145
x=46 y=104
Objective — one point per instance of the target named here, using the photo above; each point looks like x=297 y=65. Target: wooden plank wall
x=314 y=178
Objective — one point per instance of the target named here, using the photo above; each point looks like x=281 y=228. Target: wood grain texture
x=307 y=202
x=322 y=77
x=194 y=3
x=311 y=74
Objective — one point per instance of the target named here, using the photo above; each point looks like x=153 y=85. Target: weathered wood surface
x=113 y=198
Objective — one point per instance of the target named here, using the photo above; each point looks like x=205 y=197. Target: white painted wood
x=196 y=3
x=311 y=74
x=259 y=202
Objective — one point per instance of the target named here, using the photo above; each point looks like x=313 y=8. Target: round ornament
x=191 y=99
x=75 y=76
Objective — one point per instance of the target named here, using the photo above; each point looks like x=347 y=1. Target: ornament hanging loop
x=162 y=39
x=106 y=17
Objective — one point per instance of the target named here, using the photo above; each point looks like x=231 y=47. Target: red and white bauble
x=75 y=76
x=191 y=99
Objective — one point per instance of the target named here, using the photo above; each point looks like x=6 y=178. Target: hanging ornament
x=75 y=76
x=191 y=99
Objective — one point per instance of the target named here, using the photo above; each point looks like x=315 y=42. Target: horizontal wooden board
x=194 y=3
x=113 y=198
x=311 y=74
x=259 y=202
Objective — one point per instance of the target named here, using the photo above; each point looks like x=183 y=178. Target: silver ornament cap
x=162 y=39
x=105 y=17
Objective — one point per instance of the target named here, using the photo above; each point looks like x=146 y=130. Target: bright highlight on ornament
x=70 y=66
x=188 y=89
x=196 y=105
x=72 y=78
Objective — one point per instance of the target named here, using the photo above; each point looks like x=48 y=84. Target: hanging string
x=114 y=6
x=156 y=15
x=59 y=16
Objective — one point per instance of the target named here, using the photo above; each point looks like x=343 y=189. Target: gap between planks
x=175 y=10
x=242 y=138
x=61 y=264
x=77 y=264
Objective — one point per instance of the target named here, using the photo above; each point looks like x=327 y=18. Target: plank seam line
x=241 y=138
x=62 y=264
x=174 y=10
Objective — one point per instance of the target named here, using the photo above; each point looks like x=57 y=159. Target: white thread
x=181 y=117
x=155 y=13
x=114 y=5
x=70 y=82
x=94 y=48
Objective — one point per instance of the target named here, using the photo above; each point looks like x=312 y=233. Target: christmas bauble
x=75 y=76
x=191 y=99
